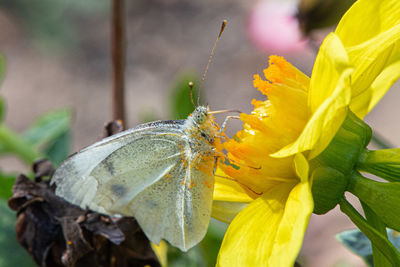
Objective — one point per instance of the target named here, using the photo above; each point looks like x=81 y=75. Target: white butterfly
x=162 y=173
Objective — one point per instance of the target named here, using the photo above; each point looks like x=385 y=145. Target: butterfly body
x=161 y=173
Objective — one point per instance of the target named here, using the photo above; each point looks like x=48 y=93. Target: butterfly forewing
x=73 y=178
x=134 y=167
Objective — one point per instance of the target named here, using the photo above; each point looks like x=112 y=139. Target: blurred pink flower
x=273 y=28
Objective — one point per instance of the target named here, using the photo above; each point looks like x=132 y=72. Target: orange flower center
x=272 y=125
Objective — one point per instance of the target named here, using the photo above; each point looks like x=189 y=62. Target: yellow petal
x=370 y=59
x=366 y=19
x=298 y=209
x=373 y=50
x=302 y=167
x=366 y=101
x=331 y=62
x=383 y=82
x=252 y=236
x=290 y=234
x=229 y=198
x=225 y=189
x=329 y=110
x=225 y=211
x=161 y=252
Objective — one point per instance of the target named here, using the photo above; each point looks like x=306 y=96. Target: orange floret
x=261 y=85
x=279 y=69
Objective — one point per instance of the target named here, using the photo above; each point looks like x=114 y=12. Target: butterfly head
x=202 y=125
x=200 y=114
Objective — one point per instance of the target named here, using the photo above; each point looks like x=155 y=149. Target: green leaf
x=6 y=184
x=384 y=163
x=46 y=133
x=59 y=149
x=48 y=127
x=212 y=241
x=11 y=142
x=202 y=255
x=181 y=104
x=191 y=258
x=358 y=243
x=11 y=252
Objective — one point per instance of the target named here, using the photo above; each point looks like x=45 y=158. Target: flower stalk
x=379 y=259
x=379 y=241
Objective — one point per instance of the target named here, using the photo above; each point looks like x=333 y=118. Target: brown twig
x=118 y=59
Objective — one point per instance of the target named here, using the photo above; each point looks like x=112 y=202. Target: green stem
x=12 y=142
x=384 y=163
x=378 y=258
x=382 y=198
x=377 y=239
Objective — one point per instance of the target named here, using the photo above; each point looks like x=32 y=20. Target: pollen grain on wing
x=207 y=184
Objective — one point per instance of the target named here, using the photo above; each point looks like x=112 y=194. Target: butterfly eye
x=203 y=135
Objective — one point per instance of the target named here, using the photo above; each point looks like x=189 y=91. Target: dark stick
x=118 y=59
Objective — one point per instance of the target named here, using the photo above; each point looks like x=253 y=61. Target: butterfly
x=162 y=173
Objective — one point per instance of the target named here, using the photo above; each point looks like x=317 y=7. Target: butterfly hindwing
x=183 y=210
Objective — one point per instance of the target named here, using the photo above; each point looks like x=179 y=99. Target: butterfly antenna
x=191 y=85
x=224 y=22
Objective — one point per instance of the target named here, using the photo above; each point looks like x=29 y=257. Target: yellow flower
x=279 y=186
x=354 y=68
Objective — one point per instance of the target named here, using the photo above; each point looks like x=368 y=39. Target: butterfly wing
x=143 y=173
x=79 y=177
x=177 y=209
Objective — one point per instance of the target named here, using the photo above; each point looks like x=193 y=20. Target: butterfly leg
x=225 y=123
x=242 y=184
x=228 y=161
